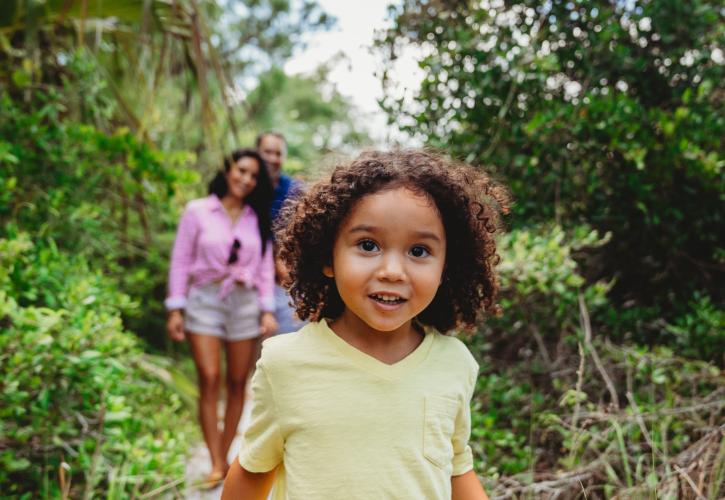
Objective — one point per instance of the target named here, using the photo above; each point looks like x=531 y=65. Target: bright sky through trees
x=356 y=70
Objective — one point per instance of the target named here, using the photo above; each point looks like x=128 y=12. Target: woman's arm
x=467 y=487
x=182 y=257
x=240 y=483
x=264 y=280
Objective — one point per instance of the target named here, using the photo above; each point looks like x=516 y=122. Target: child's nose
x=391 y=268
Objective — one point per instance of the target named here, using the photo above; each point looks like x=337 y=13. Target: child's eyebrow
x=427 y=235
x=423 y=235
x=362 y=228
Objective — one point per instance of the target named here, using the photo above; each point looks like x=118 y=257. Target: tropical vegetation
x=601 y=378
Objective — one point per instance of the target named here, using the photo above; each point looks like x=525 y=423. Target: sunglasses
x=234 y=252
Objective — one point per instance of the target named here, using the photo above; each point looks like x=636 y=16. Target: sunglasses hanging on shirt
x=234 y=252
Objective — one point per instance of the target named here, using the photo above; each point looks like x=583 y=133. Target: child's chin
x=384 y=326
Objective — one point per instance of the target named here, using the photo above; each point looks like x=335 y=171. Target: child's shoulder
x=454 y=351
x=288 y=347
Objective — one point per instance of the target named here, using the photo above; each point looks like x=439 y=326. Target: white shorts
x=233 y=318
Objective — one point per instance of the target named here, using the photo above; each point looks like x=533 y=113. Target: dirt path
x=199 y=464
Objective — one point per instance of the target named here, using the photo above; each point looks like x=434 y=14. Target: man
x=272 y=146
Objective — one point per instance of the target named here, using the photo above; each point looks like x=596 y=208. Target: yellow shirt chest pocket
x=438 y=428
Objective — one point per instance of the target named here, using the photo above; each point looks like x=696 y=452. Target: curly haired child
x=371 y=400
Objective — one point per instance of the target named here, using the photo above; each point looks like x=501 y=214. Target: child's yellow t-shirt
x=343 y=425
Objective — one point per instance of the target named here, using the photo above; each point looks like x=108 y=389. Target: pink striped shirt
x=201 y=251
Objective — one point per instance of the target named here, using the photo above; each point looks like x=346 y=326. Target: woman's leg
x=205 y=349
x=240 y=356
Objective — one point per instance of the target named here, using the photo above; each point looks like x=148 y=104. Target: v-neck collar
x=217 y=205
x=374 y=365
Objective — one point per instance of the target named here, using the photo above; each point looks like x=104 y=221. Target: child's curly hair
x=470 y=204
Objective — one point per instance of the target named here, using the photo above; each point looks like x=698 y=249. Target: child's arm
x=240 y=483
x=467 y=487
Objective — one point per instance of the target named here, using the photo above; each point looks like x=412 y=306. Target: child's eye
x=367 y=246
x=419 y=251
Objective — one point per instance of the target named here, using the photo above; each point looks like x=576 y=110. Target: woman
x=221 y=290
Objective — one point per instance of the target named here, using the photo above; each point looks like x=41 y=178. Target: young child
x=370 y=400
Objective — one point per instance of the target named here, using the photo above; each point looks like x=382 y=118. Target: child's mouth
x=387 y=299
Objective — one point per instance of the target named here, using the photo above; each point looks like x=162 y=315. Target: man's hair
x=260 y=137
x=469 y=202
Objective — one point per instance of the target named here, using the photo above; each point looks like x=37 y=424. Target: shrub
x=540 y=288
x=700 y=332
x=607 y=112
x=77 y=393
x=108 y=197
x=552 y=397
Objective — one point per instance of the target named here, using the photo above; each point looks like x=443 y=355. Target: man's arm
x=467 y=487
x=240 y=483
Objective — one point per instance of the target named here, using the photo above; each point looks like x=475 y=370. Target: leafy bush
x=603 y=112
x=555 y=395
x=666 y=422
x=540 y=288
x=78 y=395
x=106 y=197
x=700 y=333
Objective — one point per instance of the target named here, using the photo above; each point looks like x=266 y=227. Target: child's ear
x=327 y=271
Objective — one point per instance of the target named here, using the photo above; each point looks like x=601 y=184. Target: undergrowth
x=562 y=412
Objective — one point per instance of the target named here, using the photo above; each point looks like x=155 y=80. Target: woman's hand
x=268 y=324
x=175 y=325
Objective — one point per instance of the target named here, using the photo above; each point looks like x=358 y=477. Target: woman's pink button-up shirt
x=201 y=251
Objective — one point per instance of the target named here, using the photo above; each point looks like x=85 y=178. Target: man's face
x=274 y=152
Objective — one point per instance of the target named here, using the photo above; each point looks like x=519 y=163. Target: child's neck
x=387 y=347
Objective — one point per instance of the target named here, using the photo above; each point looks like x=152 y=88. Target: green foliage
x=106 y=197
x=700 y=333
x=103 y=110
x=76 y=390
x=542 y=402
x=632 y=450
x=540 y=288
x=610 y=113
x=541 y=279
x=85 y=207
x=172 y=71
x=500 y=435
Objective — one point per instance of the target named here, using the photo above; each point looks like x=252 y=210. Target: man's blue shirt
x=285 y=187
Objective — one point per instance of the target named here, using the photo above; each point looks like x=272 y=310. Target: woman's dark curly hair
x=470 y=204
x=260 y=199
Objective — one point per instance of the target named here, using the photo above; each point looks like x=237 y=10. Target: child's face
x=388 y=258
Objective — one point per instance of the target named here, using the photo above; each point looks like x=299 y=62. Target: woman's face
x=242 y=177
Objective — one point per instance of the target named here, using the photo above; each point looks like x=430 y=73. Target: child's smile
x=387 y=300
x=388 y=259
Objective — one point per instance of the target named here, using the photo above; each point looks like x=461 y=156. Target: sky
x=358 y=75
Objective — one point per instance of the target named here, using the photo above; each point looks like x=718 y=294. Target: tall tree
x=608 y=112
x=167 y=66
